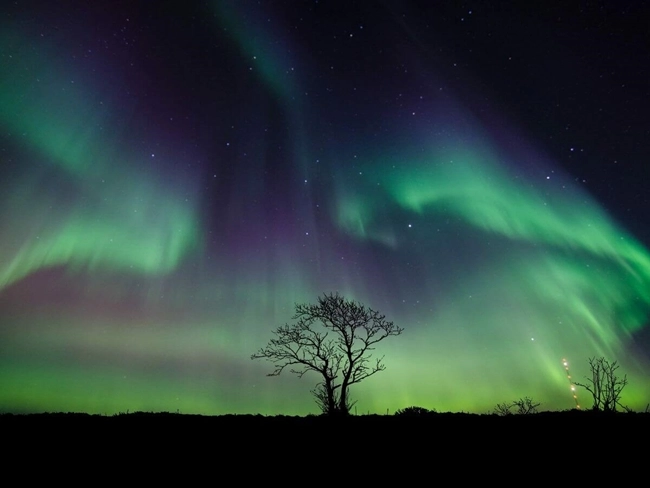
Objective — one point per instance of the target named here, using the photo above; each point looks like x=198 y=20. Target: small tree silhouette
x=503 y=409
x=525 y=406
x=334 y=338
x=604 y=385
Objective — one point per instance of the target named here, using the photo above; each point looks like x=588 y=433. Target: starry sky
x=175 y=176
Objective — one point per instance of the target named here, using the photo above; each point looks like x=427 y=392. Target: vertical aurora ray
x=271 y=57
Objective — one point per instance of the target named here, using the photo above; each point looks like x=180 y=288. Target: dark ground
x=373 y=449
x=398 y=423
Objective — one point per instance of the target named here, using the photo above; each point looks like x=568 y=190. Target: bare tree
x=604 y=385
x=525 y=406
x=503 y=409
x=334 y=338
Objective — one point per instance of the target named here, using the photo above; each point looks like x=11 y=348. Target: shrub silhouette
x=414 y=412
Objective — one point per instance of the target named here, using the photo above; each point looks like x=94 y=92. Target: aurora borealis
x=174 y=178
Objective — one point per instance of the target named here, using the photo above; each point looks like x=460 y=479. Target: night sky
x=175 y=176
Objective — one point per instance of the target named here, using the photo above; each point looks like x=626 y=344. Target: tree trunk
x=331 y=401
x=343 y=398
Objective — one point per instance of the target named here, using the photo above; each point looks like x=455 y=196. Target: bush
x=414 y=411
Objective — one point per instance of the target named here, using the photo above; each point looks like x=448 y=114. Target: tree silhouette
x=604 y=385
x=334 y=338
x=503 y=409
x=525 y=406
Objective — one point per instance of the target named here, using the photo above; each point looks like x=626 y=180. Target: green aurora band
x=114 y=214
x=564 y=274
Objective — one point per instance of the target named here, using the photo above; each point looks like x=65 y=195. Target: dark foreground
x=405 y=423
x=397 y=445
